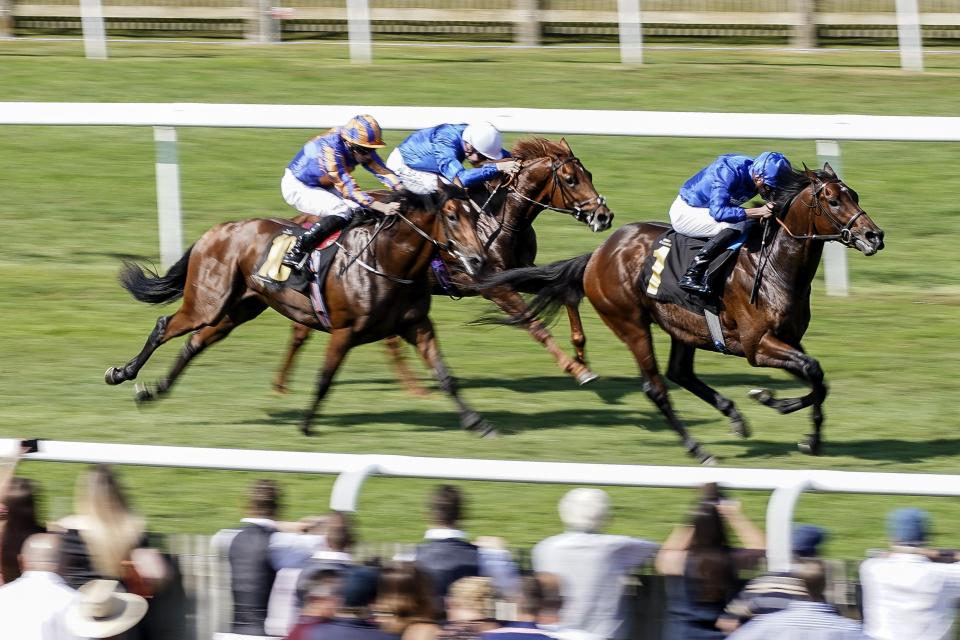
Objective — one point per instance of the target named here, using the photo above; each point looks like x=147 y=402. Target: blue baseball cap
x=908 y=526
x=806 y=539
x=769 y=165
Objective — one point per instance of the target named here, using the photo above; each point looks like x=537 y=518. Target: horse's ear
x=566 y=147
x=829 y=170
x=808 y=173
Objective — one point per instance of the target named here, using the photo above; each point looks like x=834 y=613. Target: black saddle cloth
x=669 y=258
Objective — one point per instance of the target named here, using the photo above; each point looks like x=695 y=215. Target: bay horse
x=551 y=177
x=216 y=279
x=810 y=209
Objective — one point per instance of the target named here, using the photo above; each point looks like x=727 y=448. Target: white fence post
x=168 y=196
x=780 y=509
x=94 y=33
x=631 y=31
x=358 y=31
x=346 y=489
x=834 y=253
x=908 y=32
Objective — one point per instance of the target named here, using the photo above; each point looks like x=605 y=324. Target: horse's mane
x=408 y=200
x=530 y=148
x=792 y=182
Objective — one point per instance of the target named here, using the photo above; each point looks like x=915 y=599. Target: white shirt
x=288 y=550
x=496 y=564
x=592 y=568
x=33 y=606
x=908 y=597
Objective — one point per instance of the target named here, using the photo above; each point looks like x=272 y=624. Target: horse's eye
x=571 y=181
x=452 y=217
x=833 y=202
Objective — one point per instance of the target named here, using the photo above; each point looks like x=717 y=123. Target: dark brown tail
x=556 y=285
x=146 y=285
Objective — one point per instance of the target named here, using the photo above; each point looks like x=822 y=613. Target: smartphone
x=30 y=446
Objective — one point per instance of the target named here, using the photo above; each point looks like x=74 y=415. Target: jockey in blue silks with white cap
x=708 y=206
x=441 y=151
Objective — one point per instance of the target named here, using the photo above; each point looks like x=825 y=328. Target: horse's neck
x=403 y=250
x=514 y=215
x=794 y=262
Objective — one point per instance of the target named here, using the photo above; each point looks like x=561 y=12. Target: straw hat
x=100 y=611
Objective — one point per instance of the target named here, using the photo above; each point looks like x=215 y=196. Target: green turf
x=76 y=200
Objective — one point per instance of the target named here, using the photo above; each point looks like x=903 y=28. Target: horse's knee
x=811 y=369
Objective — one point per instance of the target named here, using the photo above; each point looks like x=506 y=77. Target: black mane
x=791 y=184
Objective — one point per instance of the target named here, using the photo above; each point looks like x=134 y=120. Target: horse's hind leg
x=407 y=379
x=167 y=328
x=245 y=310
x=337 y=347
x=772 y=352
x=680 y=370
x=298 y=336
x=636 y=335
x=577 y=337
x=423 y=337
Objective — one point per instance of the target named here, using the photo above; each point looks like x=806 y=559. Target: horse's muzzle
x=601 y=219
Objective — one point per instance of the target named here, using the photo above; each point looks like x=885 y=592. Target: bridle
x=579 y=212
x=844 y=236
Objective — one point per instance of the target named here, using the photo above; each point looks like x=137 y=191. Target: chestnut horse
x=551 y=177
x=811 y=208
x=216 y=278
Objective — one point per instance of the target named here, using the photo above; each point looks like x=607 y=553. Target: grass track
x=889 y=351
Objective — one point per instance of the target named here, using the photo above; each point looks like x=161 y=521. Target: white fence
x=353 y=470
x=827 y=130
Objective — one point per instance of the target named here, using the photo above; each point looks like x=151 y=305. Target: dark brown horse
x=384 y=292
x=551 y=178
x=811 y=209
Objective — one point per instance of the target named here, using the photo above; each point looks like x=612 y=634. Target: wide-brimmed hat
x=100 y=611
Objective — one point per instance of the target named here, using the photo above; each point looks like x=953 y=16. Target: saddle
x=669 y=258
x=272 y=273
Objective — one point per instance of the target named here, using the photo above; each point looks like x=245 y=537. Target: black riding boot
x=313 y=236
x=695 y=279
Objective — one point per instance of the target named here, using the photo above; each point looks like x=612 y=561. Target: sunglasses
x=360 y=151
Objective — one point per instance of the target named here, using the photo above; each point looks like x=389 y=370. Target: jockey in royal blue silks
x=708 y=206
x=441 y=150
x=318 y=181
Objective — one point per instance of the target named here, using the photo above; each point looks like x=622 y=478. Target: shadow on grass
x=882 y=450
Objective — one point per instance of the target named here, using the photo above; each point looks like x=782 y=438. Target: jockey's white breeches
x=422 y=182
x=317 y=201
x=697 y=221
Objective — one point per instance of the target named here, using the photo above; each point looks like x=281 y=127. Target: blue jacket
x=440 y=150
x=722 y=187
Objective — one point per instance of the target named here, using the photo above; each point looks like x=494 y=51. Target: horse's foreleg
x=166 y=328
x=299 y=334
x=577 y=337
x=423 y=337
x=773 y=352
x=680 y=370
x=245 y=310
x=638 y=340
x=337 y=347
x=407 y=379
x=512 y=304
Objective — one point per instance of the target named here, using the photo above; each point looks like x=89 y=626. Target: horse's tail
x=146 y=285
x=555 y=285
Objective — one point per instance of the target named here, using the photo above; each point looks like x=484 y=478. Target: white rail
x=353 y=470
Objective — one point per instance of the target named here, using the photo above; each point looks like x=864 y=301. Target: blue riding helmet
x=769 y=165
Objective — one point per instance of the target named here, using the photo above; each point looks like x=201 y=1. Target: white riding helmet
x=485 y=138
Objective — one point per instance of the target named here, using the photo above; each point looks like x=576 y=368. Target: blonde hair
x=110 y=530
x=474 y=593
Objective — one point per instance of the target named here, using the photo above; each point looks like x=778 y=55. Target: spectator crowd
x=97 y=573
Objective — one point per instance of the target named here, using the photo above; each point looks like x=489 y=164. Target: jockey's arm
x=382 y=173
x=444 y=153
x=720 y=207
x=341 y=179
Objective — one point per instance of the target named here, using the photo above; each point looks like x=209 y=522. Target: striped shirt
x=801 y=621
x=326 y=161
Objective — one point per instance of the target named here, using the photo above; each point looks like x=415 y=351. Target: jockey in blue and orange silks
x=708 y=206
x=318 y=181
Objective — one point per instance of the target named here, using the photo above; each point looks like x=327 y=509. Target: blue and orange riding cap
x=363 y=131
x=770 y=165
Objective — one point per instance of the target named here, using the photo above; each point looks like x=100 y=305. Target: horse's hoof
x=111 y=377
x=810 y=446
x=740 y=428
x=586 y=376
x=473 y=421
x=763 y=396
x=486 y=430
x=280 y=388
x=708 y=460
x=142 y=394
x=306 y=430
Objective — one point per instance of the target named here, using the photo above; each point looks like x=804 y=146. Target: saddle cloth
x=671 y=254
